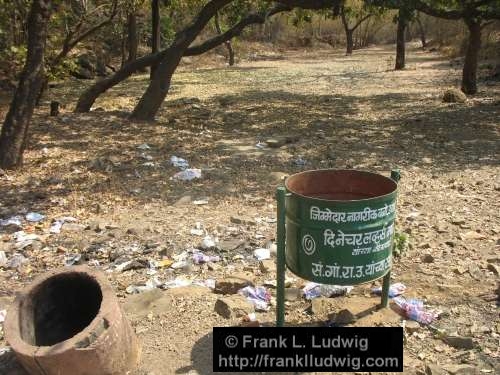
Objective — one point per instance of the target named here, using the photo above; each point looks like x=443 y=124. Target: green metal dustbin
x=336 y=227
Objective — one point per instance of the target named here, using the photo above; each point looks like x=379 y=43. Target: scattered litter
x=394 y=290
x=146 y=156
x=187 y=175
x=200 y=202
x=262 y=254
x=24 y=239
x=289 y=281
x=21 y=236
x=199 y=258
x=144 y=146
x=207 y=243
x=300 y=161
x=150 y=285
x=4 y=350
x=177 y=283
x=16 y=261
x=182 y=256
x=251 y=317
x=313 y=290
x=258 y=296
x=14 y=220
x=72 y=259
x=58 y=223
x=179 y=162
x=209 y=283
x=197 y=232
x=179 y=264
x=261 y=145
x=414 y=310
x=3 y=259
x=34 y=217
x=163 y=263
x=3 y=314
x=93 y=263
x=149 y=164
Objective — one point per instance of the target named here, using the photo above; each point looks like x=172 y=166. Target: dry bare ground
x=343 y=112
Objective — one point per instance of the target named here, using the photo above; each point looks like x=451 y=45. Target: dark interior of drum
x=340 y=185
x=61 y=307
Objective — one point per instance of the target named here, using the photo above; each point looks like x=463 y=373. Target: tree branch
x=361 y=21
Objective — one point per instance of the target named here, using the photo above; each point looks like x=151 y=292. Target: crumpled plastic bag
x=394 y=290
x=187 y=175
x=179 y=162
x=258 y=296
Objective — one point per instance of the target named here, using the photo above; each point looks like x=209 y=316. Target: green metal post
x=385 y=290
x=396 y=176
x=280 y=245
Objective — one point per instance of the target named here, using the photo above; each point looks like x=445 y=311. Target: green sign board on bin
x=339 y=225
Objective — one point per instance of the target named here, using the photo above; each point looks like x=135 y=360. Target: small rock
x=427 y=258
x=230 y=245
x=462 y=369
x=233 y=307
x=242 y=220
x=475 y=272
x=434 y=370
x=73 y=227
x=459 y=342
x=494 y=268
x=275 y=143
x=183 y=201
x=412 y=326
x=454 y=96
x=97 y=225
x=267 y=265
x=293 y=294
x=343 y=317
x=231 y=285
x=460 y=270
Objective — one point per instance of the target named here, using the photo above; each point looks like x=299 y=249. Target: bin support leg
x=385 y=290
x=280 y=247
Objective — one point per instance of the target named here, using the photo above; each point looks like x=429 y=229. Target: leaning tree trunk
x=469 y=73
x=89 y=96
x=132 y=39
x=349 y=33
x=14 y=136
x=155 y=31
x=155 y=94
x=228 y=44
x=400 y=43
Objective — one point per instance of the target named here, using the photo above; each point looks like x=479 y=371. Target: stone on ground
x=233 y=307
x=454 y=96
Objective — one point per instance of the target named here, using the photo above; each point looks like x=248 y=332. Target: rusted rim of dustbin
x=353 y=185
x=14 y=328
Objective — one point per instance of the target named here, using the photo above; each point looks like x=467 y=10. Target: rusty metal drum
x=339 y=225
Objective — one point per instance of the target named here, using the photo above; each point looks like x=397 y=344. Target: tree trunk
x=155 y=31
x=469 y=73
x=14 y=136
x=228 y=44
x=158 y=88
x=349 y=33
x=132 y=38
x=88 y=97
x=400 y=42
x=421 y=31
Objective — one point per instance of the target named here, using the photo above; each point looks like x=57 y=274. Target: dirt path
x=343 y=112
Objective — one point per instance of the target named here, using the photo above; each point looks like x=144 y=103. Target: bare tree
x=14 y=136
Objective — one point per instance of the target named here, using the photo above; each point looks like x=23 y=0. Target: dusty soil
x=342 y=112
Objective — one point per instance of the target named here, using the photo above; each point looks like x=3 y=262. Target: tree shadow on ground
x=376 y=132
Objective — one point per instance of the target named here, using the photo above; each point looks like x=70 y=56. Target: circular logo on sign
x=308 y=244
